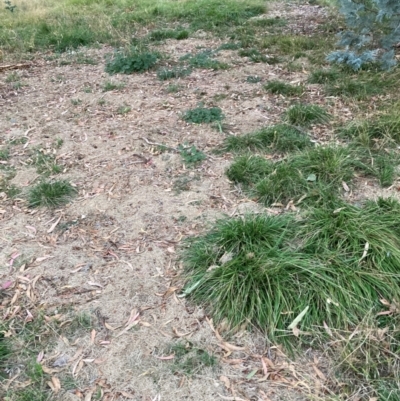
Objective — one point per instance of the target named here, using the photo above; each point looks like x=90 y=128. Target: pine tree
x=372 y=34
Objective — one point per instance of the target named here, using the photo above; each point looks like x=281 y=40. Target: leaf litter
x=113 y=249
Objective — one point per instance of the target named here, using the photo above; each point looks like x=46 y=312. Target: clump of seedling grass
x=130 y=61
x=281 y=272
x=201 y=115
x=51 y=194
x=164 y=74
x=45 y=162
x=110 y=86
x=306 y=114
x=190 y=359
x=281 y=138
x=283 y=88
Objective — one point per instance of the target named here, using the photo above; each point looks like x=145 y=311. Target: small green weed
x=124 y=109
x=283 y=88
x=128 y=62
x=9 y=6
x=306 y=114
x=76 y=102
x=191 y=155
x=4 y=154
x=253 y=79
x=164 y=74
x=281 y=138
x=12 y=77
x=45 y=162
x=51 y=194
x=201 y=115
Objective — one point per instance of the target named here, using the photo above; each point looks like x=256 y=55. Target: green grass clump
x=253 y=79
x=45 y=162
x=254 y=55
x=164 y=74
x=190 y=359
x=315 y=173
x=249 y=169
x=204 y=59
x=111 y=86
x=4 y=154
x=379 y=132
x=283 y=88
x=51 y=194
x=306 y=114
x=163 y=34
x=201 y=115
x=131 y=61
x=191 y=155
x=281 y=138
x=323 y=76
x=264 y=271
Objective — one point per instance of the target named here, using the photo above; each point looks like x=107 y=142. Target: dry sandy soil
x=112 y=252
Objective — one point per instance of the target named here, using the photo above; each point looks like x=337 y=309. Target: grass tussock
x=283 y=88
x=306 y=114
x=279 y=138
x=51 y=194
x=247 y=270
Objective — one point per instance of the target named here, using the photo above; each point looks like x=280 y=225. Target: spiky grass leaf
x=51 y=194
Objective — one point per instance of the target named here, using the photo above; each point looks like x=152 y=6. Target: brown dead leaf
x=170 y=291
x=265 y=369
x=56 y=384
x=127 y=395
x=178 y=334
x=319 y=373
x=226 y=381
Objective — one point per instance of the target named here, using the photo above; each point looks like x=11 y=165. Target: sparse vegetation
x=191 y=155
x=164 y=74
x=201 y=115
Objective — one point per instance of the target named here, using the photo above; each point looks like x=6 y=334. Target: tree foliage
x=372 y=34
